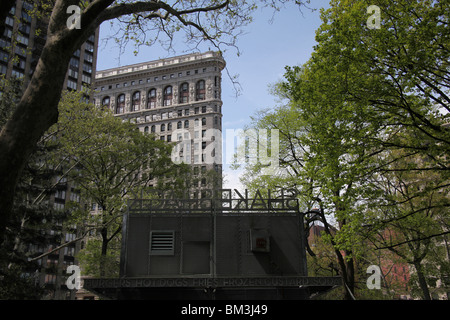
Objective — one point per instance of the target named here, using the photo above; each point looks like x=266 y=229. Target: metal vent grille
x=162 y=242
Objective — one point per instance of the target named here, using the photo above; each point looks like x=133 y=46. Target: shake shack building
x=228 y=245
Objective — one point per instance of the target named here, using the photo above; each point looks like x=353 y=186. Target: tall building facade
x=179 y=100
x=23 y=41
x=20 y=49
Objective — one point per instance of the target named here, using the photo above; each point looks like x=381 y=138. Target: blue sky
x=266 y=48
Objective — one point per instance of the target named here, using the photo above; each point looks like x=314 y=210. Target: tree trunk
x=422 y=281
x=19 y=136
x=104 y=234
x=350 y=292
x=36 y=112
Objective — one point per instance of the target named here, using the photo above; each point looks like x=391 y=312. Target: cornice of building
x=156 y=66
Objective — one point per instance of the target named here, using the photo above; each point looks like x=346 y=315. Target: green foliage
x=10 y=90
x=109 y=160
x=91 y=259
x=14 y=285
x=361 y=128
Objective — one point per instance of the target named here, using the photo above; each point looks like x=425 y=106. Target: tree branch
x=413 y=240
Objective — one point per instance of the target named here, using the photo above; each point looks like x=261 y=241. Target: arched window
x=163 y=127
x=106 y=102
x=136 y=101
x=153 y=129
x=168 y=96
x=184 y=93
x=120 y=108
x=200 y=90
x=146 y=129
x=179 y=125
x=186 y=123
x=203 y=121
x=169 y=126
x=151 y=99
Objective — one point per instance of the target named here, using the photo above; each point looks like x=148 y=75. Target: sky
x=266 y=48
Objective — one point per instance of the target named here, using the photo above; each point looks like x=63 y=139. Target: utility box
x=259 y=240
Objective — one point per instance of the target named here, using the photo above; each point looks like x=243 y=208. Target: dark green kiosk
x=226 y=245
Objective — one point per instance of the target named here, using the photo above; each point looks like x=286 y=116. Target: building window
x=168 y=96
x=120 y=108
x=89 y=47
x=146 y=129
x=151 y=99
x=136 y=101
x=74 y=62
x=87 y=68
x=203 y=121
x=73 y=73
x=179 y=125
x=163 y=127
x=106 y=102
x=86 y=79
x=10 y=22
x=70 y=84
x=186 y=123
x=200 y=90
x=153 y=129
x=169 y=126
x=184 y=93
x=88 y=57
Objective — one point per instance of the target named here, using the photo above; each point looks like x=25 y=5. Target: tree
x=325 y=154
x=359 y=97
x=110 y=162
x=399 y=70
x=412 y=216
x=216 y=21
